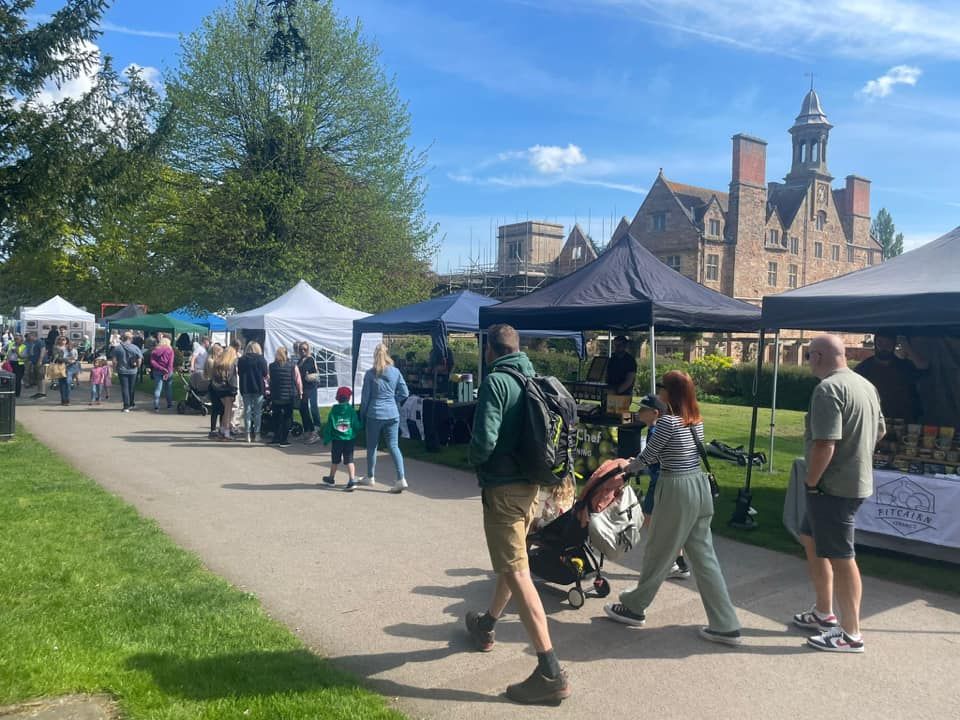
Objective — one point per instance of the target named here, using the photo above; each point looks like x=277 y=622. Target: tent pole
x=479 y=358
x=742 y=519
x=773 y=399
x=653 y=360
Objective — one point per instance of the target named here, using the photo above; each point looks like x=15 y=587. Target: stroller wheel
x=203 y=411
x=576 y=598
x=181 y=408
x=601 y=586
x=296 y=429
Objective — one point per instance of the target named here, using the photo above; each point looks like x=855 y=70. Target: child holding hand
x=99 y=380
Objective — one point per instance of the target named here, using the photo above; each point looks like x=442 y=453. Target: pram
x=561 y=552
x=195 y=395
x=268 y=421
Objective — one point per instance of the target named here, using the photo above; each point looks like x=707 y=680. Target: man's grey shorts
x=829 y=520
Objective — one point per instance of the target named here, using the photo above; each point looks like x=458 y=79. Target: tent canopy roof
x=212 y=322
x=159 y=322
x=626 y=288
x=918 y=290
x=57 y=308
x=130 y=311
x=301 y=304
x=459 y=312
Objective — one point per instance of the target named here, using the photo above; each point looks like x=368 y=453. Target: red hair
x=682 y=396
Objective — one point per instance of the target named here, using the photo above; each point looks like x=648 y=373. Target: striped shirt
x=672 y=445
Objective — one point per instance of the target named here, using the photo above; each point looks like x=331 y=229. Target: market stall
x=57 y=312
x=158 y=322
x=304 y=314
x=128 y=311
x=916 y=503
x=210 y=321
x=625 y=289
x=438 y=317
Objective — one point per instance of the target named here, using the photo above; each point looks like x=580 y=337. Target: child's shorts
x=342 y=452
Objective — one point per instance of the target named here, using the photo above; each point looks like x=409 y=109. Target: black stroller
x=195 y=395
x=560 y=552
x=269 y=418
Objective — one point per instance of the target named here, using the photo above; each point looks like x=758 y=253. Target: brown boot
x=540 y=690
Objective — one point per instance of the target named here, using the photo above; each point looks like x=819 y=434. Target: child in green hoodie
x=341 y=428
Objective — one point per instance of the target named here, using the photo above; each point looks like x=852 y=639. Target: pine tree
x=886 y=234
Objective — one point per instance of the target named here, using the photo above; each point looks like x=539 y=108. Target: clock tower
x=810 y=132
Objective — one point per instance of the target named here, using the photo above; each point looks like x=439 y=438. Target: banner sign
x=918 y=507
x=595 y=444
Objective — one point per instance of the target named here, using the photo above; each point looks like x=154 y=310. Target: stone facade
x=577 y=251
x=525 y=244
x=762 y=238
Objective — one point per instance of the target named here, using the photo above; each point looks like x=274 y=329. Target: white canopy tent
x=56 y=312
x=303 y=313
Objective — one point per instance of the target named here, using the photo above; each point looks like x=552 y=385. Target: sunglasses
x=806 y=356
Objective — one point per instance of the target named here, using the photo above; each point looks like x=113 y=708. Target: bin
x=8 y=405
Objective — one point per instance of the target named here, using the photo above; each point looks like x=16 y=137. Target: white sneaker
x=399 y=486
x=312 y=439
x=366 y=481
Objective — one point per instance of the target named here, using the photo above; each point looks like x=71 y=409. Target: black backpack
x=549 y=437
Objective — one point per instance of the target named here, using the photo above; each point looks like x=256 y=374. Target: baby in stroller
x=607 y=511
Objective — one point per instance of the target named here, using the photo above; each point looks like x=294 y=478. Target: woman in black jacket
x=285 y=389
x=309 y=410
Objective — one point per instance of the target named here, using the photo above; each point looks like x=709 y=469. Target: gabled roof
x=787 y=199
x=693 y=197
x=578 y=236
x=622 y=229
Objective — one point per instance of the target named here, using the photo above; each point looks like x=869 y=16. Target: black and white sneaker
x=679 y=570
x=329 y=480
x=622 y=614
x=836 y=640
x=350 y=486
x=812 y=620
x=731 y=638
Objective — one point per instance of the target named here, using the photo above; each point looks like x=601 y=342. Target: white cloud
x=897 y=75
x=850 y=28
x=124 y=30
x=551 y=159
x=73 y=88
x=150 y=74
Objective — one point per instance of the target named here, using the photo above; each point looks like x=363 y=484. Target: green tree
x=306 y=165
x=886 y=234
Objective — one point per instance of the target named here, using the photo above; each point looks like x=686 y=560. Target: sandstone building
x=761 y=238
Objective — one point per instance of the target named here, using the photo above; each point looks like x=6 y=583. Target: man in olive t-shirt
x=843 y=426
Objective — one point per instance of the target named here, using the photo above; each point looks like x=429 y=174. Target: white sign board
x=917 y=507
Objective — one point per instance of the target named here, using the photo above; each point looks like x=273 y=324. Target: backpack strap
x=512 y=372
x=701 y=449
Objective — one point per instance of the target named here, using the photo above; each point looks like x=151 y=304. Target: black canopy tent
x=125 y=313
x=626 y=288
x=917 y=293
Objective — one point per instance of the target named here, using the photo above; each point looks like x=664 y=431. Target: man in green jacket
x=509 y=505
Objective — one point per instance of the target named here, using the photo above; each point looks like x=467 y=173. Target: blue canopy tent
x=459 y=312
x=214 y=323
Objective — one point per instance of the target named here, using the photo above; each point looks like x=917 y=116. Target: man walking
x=509 y=505
x=843 y=426
x=127 y=360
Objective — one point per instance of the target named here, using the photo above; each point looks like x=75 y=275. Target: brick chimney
x=856 y=197
x=749 y=161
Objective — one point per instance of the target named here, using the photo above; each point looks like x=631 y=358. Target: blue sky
x=566 y=110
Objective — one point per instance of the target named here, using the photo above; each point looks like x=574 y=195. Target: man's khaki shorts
x=508 y=511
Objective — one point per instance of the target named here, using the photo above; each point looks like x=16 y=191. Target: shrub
x=794 y=385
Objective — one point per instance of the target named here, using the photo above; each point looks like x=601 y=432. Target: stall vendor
x=621 y=368
x=441 y=362
x=895 y=378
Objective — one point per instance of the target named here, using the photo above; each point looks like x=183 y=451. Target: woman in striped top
x=684 y=511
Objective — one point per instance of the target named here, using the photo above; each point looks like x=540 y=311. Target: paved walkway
x=380 y=583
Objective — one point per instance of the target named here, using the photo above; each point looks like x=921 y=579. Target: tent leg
x=742 y=519
x=479 y=358
x=773 y=399
x=651 y=336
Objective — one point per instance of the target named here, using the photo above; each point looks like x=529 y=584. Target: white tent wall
x=56 y=312
x=304 y=314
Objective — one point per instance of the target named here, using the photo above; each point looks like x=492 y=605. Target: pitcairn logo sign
x=906 y=506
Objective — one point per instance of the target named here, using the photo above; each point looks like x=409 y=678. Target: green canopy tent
x=158 y=322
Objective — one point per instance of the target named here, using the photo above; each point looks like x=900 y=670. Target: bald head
x=827 y=355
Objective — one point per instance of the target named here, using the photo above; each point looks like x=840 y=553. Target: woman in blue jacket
x=384 y=391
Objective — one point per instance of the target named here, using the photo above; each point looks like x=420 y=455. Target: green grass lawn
x=93 y=598
x=731 y=424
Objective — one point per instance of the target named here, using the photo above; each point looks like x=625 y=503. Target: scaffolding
x=500 y=281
